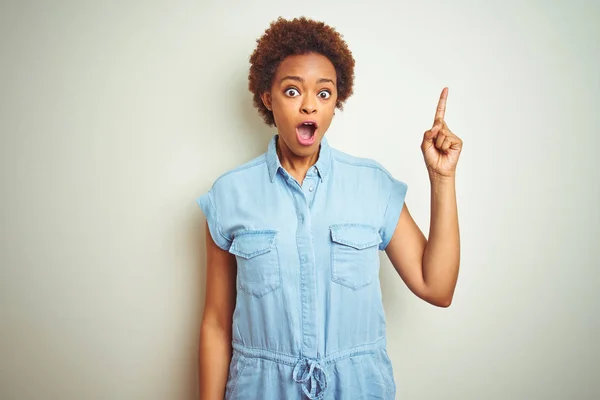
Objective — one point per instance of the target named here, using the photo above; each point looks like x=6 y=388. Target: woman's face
x=302 y=98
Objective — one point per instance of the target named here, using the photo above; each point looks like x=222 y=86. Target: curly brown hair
x=298 y=36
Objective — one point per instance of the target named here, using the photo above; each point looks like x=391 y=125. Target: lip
x=314 y=123
x=307 y=141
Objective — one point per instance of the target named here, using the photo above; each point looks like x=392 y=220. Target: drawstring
x=310 y=373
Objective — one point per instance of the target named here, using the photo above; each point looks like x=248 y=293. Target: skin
x=428 y=266
x=303 y=89
x=215 y=331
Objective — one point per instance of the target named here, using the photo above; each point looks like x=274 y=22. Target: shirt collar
x=322 y=165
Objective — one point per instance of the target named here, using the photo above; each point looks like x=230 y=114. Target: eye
x=324 y=94
x=291 y=92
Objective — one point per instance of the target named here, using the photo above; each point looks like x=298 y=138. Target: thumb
x=430 y=134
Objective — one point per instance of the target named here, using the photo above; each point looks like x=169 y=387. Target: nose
x=308 y=106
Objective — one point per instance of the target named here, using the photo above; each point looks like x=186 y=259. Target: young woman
x=293 y=303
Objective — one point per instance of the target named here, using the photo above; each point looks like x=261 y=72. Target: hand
x=441 y=148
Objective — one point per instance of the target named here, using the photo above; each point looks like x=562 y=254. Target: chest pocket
x=258 y=271
x=354 y=255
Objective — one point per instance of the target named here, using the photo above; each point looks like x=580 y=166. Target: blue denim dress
x=308 y=321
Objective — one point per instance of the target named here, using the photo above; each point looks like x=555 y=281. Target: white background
x=115 y=116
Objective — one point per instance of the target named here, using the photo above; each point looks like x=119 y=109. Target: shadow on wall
x=253 y=129
x=251 y=139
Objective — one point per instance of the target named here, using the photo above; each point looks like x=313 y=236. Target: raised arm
x=429 y=267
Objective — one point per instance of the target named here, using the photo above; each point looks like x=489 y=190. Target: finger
x=430 y=134
x=439 y=140
x=440 y=112
x=456 y=142
x=446 y=144
x=447 y=131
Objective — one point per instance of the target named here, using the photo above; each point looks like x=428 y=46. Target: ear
x=267 y=101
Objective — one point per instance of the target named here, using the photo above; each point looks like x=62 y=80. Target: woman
x=293 y=304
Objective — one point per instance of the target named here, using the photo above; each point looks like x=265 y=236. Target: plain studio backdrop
x=115 y=116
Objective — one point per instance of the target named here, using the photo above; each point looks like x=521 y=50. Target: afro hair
x=294 y=37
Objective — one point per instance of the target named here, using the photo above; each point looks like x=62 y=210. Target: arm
x=430 y=267
x=215 y=332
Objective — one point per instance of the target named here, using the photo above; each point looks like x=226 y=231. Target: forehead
x=306 y=66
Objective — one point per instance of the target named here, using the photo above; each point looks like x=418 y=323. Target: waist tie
x=313 y=378
x=308 y=372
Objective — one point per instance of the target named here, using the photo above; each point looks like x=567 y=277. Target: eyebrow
x=299 y=79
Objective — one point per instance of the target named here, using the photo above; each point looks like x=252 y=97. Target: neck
x=295 y=165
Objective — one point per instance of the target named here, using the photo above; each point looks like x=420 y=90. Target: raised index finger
x=441 y=107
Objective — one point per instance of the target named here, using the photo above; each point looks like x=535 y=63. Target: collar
x=322 y=165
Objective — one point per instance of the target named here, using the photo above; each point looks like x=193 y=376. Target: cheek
x=281 y=114
x=333 y=100
x=331 y=105
x=277 y=102
x=284 y=108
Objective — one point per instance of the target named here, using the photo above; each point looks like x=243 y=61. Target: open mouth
x=306 y=132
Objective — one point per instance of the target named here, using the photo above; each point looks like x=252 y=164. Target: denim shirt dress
x=309 y=321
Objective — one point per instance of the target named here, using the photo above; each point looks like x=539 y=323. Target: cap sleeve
x=208 y=202
x=395 y=193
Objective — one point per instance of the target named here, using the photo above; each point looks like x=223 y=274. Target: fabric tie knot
x=311 y=375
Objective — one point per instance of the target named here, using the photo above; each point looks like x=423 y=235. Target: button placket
x=309 y=187
x=308 y=282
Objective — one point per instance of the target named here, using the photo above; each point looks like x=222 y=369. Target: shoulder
x=360 y=165
x=242 y=173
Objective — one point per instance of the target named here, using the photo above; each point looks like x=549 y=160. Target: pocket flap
x=249 y=244
x=355 y=235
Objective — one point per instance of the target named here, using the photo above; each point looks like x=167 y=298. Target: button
x=310 y=189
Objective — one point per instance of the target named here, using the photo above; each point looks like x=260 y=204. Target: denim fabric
x=308 y=322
